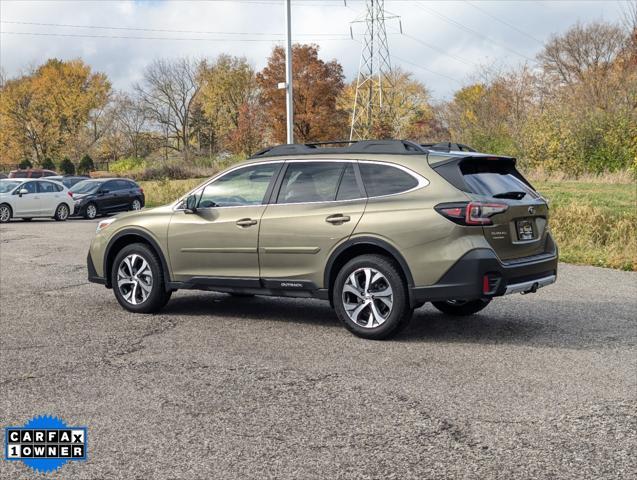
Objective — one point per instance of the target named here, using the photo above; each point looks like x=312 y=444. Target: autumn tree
x=41 y=113
x=228 y=92
x=168 y=90
x=316 y=85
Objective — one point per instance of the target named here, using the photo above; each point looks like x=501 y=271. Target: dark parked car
x=69 y=180
x=32 y=173
x=94 y=197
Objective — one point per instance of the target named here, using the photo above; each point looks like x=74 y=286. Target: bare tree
x=168 y=90
x=582 y=50
x=132 y=119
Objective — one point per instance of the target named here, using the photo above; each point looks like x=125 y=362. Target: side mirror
x=191 y=204
x=23 y=191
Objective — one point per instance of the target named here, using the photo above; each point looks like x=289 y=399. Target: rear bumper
x=465 y=279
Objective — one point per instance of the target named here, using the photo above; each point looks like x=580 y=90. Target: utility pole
x=289 y=99
x=374 y=83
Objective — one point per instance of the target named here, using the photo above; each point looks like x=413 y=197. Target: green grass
x=593 y=223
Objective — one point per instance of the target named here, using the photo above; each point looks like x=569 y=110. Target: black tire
x=396 y=317
x=5 y=213
x=90 y=213
x=62 y=212
x=157 y=297
x=133 y=205
x=460 y=308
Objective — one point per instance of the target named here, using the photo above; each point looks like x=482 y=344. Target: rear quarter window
x=382 y=179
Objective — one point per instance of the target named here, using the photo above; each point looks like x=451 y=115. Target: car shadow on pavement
x=428 y=325
x=292 y=310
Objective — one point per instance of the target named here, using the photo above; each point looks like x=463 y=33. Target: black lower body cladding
x=465 y=279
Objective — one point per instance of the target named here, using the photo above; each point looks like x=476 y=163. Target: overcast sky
x=443 y=42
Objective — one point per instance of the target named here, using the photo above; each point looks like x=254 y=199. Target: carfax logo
x=45 y=443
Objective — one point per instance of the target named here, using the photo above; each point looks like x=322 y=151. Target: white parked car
x=27 y=198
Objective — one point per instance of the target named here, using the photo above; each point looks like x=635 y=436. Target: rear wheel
x=136 y=204
x=91 y=211
x=137 y=279
x=370 y=297
x=461 y=308
x=5 y=213
x=62 y=212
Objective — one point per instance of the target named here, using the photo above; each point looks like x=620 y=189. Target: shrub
x=48 y=164
x=67 y=167
x=172 y=171
x=86 y=165
x=127 y=166
x=24 y=164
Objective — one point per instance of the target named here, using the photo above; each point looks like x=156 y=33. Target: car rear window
x=385 y=180
x=485 y=176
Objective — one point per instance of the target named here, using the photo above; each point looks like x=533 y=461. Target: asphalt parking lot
x=536 y=386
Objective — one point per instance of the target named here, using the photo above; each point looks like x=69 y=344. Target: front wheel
x=461 y=308
x=370 y=297
x=62 y=212
x=137 y=279
x=5 y=213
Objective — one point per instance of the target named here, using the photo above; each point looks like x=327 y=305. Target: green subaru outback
x=377 y=228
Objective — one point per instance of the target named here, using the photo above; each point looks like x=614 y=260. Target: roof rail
x=344 y=146
x=447 y=147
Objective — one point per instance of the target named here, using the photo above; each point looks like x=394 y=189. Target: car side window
x=110 y=186
x=30 y=187
x=121 y=185
x=348 y=188
x=382 y=179
x=310 y=182
x=46 y=187
x=244 y=186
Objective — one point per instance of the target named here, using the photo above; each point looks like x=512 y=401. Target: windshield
x=6 y=187
x=86 y=186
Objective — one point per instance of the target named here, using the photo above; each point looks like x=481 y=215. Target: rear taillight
x=480 y=213
x=141 y=189
x=471 y=213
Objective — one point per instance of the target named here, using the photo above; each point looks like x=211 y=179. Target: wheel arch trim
x=135 y=232
x=366 y=240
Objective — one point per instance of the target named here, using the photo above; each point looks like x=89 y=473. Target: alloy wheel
x=63 y=212
x=136 y=205
x=134 y=279
x=5 y=213
x=91 y=211
x=367 y=297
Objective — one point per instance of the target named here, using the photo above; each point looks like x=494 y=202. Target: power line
x=504 y=22
x=127 y=37
x=427 y=69
x=470 y=30
x=163 y=30
x=438 y=49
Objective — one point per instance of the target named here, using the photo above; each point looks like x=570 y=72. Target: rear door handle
x=337 y=219
x=246 y=222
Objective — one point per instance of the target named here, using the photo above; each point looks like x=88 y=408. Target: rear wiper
x=514 y=195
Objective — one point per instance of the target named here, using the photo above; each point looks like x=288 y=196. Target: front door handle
x=246 y=222
x=337 y=219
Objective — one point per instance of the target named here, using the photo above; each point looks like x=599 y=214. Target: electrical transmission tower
x=373 y=84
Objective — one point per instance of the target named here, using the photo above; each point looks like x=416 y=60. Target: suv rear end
x=512 y=217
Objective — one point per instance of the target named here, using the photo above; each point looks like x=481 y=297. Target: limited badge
x=45 y=443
